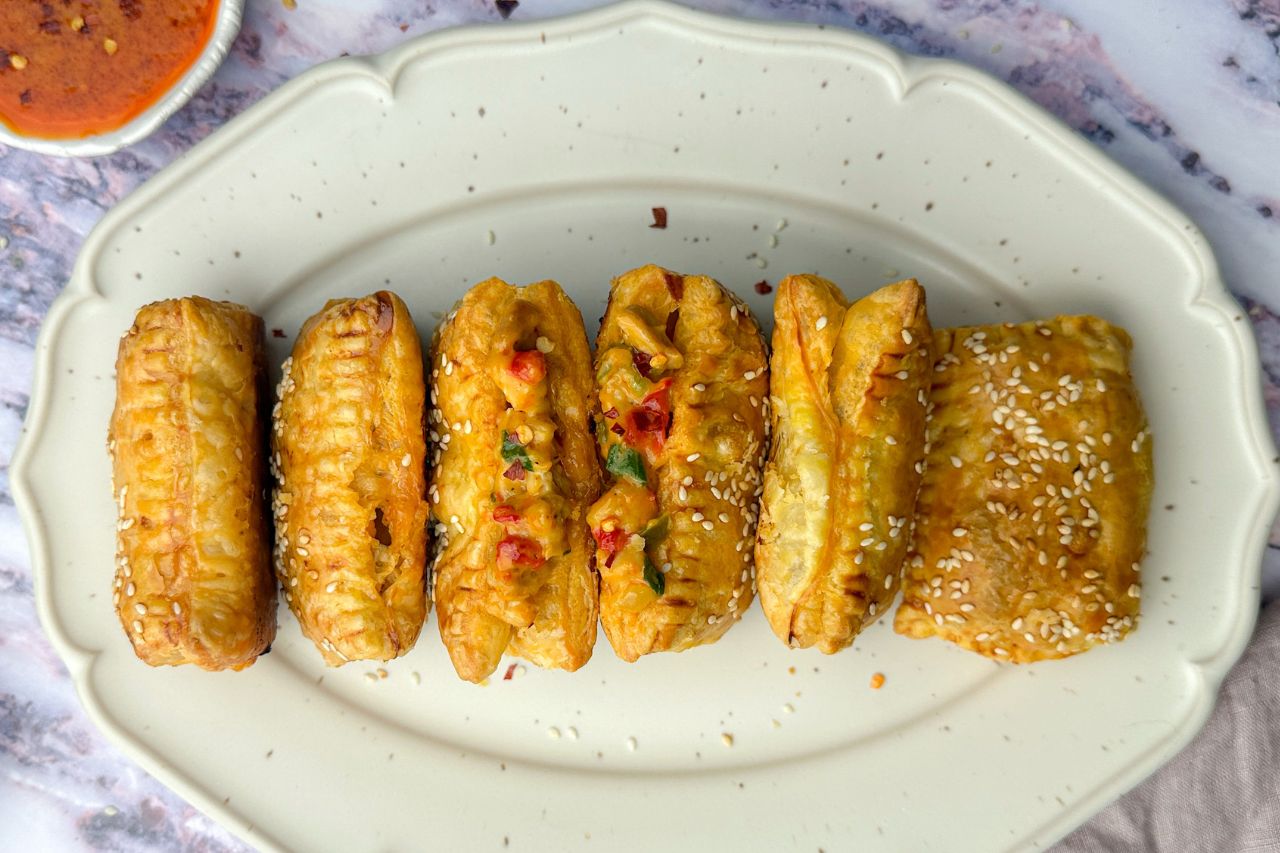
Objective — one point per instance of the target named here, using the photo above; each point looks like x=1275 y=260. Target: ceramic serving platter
x=538 y=151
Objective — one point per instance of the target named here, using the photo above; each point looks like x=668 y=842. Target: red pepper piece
x=528 y=366
x=519 y=551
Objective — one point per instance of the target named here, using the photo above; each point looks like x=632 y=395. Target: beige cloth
x=1222 y=793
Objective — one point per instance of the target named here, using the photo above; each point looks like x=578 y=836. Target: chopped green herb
x=654 y=578
x=622 y=461
x=656 y=531
x=513 y=450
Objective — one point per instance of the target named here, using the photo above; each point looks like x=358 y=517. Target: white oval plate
x=226 y=26
x=558 y=138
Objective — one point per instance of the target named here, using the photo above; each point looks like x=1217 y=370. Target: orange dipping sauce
x=74 y=68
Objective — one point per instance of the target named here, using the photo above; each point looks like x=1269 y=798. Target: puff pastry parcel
x=193 y=580
x=1031 y=520
x=514 y=473
x=682 y=383
x=849 y=396
x=349 y=463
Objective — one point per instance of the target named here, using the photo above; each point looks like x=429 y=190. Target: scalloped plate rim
x=910 y=71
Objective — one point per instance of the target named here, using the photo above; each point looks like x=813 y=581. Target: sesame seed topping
x=822 y=323
x=955 y=461
x=692 y=457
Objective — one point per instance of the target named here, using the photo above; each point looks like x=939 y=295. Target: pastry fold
x=1031 y=520
x=682 y=385
x=349 y=461
x=514 y=471
x=848 y=407
x=193 y=580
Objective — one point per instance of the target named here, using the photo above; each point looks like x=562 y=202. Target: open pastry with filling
x=682 y=383
x=514 y=473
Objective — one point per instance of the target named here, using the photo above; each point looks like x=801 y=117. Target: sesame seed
x=724 y=517
x=959 y=532
x=692 y=457
x=1135 y=591
x=955 y=461
x=553 y=733
x=706 y=525
x=822 y=323
x=907 y=338
x=726 y=739
x=890 y=440
x=140 y=609
x=137 y=626
x=406 y=459
x=129 y=590
x=631 y=744
x=331 y=587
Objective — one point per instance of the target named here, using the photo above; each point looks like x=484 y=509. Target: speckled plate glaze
x=536 y=151
x=225 y=27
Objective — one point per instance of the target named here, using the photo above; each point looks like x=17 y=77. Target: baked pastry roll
x=514 y=473
x=349 y=462
x=849 y=393
x=682 y=382
x=193 y=580
x=1031 y=521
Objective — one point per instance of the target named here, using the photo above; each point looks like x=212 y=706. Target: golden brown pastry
x=349 y=463
x=193 y=581
x=1031 y=520
x=682 y=381
x=848 y=394
x=514 y=473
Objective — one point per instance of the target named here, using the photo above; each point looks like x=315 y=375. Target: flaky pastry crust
x=682 y=380
x=1031 y=521
x=193 y=580
x=514 y=473
x=349 y=461
x=848 y=393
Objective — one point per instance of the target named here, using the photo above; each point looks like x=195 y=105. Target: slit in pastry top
x=849 y=406
x=349 y=463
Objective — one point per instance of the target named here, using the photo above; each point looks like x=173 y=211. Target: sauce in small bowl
x=90 y=76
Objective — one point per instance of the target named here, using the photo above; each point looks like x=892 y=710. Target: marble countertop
x=1185 y=93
